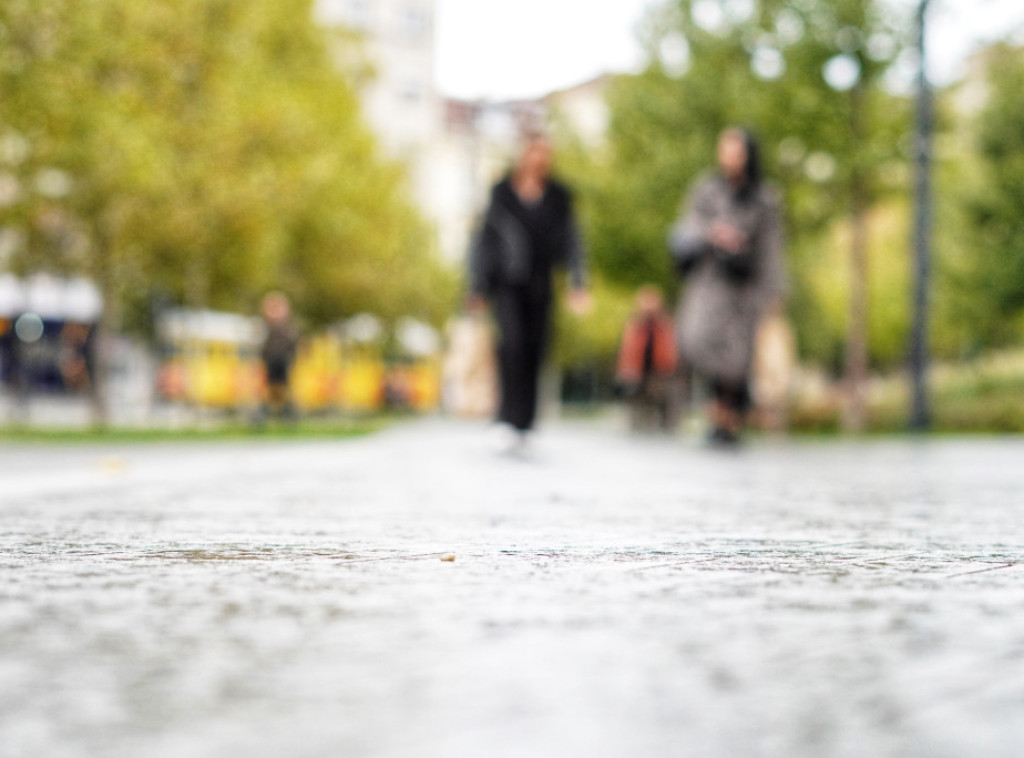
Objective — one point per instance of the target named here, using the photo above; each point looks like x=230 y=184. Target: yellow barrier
x=425 y=384
x=362 y=383
x=217 y=375
x=316 y=375
x=206 y=369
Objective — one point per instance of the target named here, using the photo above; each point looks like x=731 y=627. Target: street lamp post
x=920 y=412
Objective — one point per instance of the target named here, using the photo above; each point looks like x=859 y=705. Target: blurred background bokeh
x=164 y=165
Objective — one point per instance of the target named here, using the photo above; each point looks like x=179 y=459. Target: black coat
x=520 y=244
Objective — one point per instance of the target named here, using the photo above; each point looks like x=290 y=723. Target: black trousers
x=523 y=315
x=735 y=397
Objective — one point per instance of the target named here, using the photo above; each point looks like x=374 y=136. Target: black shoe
x=723 y=438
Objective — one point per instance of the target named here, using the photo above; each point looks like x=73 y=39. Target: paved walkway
x=609 y=597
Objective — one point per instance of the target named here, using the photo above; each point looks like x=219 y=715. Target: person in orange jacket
x=648 y=363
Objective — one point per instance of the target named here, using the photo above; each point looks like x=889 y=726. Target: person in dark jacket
x=728 y=244
x=278 y=353
x=528 y=231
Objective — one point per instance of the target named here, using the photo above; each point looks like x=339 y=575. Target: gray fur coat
x=726 y=293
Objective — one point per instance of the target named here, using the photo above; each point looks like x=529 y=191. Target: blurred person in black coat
x=528 y=231
x=278 y=353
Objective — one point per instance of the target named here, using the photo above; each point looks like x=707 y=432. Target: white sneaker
x=505 y=439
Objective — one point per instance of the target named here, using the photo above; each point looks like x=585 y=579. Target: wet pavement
x=608 y=597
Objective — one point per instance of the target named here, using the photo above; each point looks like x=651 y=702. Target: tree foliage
x=828 y=143
x=203 y=151
x=990 y=282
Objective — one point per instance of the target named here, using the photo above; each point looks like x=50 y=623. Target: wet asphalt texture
x=414 y=594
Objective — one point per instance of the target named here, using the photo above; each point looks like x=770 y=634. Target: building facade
x=402 y=102
x=454 y=149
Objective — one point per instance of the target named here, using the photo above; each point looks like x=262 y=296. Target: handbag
x=687 y=249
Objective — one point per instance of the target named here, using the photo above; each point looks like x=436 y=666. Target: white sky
x=523 y=48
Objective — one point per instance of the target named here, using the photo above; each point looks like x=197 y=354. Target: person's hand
x=776 y=308
x=727 y=238
x=580 y=302
x=476 y=305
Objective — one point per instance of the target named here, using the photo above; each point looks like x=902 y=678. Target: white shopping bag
x=471 y=382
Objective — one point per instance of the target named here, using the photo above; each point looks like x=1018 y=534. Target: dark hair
x=752 y=172
x=529 y=136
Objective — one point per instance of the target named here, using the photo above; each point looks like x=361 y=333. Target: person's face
x=732 y=155
x=649 y=301
x=275 y=309
x=536 y=159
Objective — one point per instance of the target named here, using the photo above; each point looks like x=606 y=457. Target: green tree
x=807 y=76
x=206 y=150
x=989 y=275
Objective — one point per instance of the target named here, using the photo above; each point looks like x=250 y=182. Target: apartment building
x=454 y=148
x=402 y=101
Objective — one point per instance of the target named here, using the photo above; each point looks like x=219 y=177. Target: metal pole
x=920 y=412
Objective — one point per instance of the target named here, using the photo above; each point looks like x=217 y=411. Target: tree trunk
x=855 y=411
x=920 y=411
x=99 y=379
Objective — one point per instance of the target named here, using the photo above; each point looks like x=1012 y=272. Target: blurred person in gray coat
x=728 y=245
